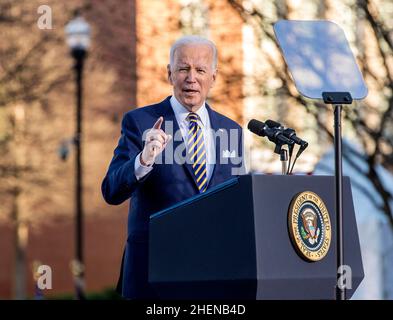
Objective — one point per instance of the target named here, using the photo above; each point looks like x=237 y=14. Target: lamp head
x=78 y=34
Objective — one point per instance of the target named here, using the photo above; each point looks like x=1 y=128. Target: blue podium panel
x=232 y=242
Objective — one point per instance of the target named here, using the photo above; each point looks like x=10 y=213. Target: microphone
x=273 y=134
x=289 y=133
x=274 y=124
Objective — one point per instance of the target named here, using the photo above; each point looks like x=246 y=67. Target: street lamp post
x=78 y=39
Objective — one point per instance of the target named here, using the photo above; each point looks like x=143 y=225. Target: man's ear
x=214 y=77
x=168 y=69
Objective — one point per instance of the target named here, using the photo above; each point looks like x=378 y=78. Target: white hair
x=190 y=40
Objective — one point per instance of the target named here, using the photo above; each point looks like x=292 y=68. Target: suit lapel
x=215 y=126
x=178 y=143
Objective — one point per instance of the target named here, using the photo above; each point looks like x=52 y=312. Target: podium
x=234 y=242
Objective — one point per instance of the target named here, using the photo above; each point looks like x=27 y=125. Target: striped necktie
x=197 y=151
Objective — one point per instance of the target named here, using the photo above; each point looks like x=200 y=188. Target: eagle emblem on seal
x=310 y=231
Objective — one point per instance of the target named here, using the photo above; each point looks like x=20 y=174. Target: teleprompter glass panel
x=319 y=58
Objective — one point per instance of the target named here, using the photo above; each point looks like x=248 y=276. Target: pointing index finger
x=158 y=123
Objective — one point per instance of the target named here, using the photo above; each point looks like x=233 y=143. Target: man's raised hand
x=156 y=141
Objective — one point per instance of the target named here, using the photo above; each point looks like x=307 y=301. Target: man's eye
x=201 y=71
x=183 y=69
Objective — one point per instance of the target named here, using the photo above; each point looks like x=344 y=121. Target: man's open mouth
x=190 y=90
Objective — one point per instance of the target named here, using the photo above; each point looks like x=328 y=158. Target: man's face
x=192 y=74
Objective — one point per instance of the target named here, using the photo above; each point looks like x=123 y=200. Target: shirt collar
x=181 y=112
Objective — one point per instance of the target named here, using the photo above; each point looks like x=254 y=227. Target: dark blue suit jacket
x=164 y=186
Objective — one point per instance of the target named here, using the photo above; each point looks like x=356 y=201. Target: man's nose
x=191 y=76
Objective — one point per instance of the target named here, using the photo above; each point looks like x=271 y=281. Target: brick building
x=126 y=68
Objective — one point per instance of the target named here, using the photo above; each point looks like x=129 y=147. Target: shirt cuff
x=139 y=169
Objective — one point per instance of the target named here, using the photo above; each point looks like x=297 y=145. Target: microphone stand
x=284 y=161
x=284 y=156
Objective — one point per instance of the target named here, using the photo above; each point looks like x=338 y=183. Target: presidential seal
x=309 y=226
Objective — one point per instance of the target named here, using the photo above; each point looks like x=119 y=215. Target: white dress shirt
x=181 y=114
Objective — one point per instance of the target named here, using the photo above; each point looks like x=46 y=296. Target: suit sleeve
x=120 y=181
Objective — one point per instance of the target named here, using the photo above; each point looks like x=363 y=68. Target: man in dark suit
x=169 y=152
